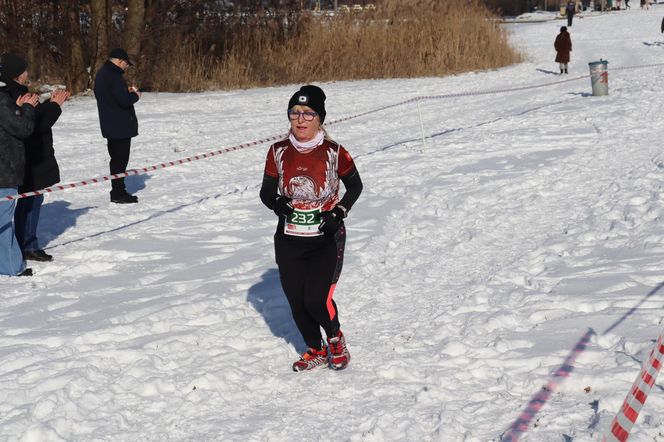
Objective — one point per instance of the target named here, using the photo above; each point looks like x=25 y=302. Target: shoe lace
x=335 y=345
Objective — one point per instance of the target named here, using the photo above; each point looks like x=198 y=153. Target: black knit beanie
x=12 y=66
x=311 y=96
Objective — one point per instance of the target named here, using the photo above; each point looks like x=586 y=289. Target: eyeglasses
x=306 y=116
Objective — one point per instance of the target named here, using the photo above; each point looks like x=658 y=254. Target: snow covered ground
x=476 y=261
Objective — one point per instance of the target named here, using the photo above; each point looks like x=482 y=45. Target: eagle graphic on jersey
x=304 y=190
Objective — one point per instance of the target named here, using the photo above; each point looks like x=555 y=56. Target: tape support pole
x=636 y=397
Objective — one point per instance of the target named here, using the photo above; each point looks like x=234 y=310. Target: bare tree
x=77 y=75
x=135 y=25
x=100 y=16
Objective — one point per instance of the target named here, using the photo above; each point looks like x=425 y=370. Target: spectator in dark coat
x=563 y=46
x=570 y=9
x=41 y=169
x=115 y=102
x=17 y=119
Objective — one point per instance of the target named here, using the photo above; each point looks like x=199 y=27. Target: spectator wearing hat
x=301 y=185
x=117 y=118
x=41 y=168
x=17 y=120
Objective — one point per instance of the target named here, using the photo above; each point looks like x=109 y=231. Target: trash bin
x=599 y=77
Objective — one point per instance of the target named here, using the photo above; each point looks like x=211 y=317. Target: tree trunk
x=77 y=75
x=134 y=28
x=100 y=15
x=150 y=50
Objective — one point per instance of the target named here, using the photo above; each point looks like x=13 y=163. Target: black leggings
x=309 y=270
x=119 y=152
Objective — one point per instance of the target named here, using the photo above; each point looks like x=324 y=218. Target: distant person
x=17 y=121
x=618 y=5
x=570 y=9
x=563 y=46
x=627 y=4
x=643 y=4
x=117 y=118
x=41 y=168
x=301 y=184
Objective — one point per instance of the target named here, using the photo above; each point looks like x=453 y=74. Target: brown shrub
x=397 y=40
x=198 y=45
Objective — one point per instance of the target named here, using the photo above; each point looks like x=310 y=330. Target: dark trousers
x=26 y=218
x=309 y=270
x=119 y=152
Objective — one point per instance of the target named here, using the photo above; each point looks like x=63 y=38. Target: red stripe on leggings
x=330 y=307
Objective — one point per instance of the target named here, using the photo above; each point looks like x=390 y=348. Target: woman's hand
x=31 y=99
x=59 y=96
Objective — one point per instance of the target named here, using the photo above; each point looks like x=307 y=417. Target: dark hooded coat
x=16 y=124
x=563 y=46
x=41 y=168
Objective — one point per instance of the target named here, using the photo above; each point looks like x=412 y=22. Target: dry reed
x=398 y=40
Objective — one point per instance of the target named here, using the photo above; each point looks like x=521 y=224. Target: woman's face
x=23 y=78
x=302 y=129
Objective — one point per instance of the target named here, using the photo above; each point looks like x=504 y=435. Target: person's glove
x=331 y=220
x=283 y=206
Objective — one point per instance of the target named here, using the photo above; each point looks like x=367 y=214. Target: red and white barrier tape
x=143 y=170
x=629 y=412
x=147 y=169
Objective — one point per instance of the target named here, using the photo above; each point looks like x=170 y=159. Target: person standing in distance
x=41 y=168
x=570 y=10
x=301 y=185
x=563 y=47
x=117 y=118
x=17 y=121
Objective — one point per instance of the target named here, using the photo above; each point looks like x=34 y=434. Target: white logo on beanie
x=303 y=99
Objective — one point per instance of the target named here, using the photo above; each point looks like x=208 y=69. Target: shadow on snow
x=267 y=297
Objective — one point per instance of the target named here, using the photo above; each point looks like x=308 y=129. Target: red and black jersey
x=311 y=179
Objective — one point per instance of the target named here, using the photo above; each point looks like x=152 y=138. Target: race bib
x=303 y=223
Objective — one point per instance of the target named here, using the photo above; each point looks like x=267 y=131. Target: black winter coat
x=115 y=103
x=41 y=168
x=16 y=124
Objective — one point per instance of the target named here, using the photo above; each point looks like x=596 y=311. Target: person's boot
x=26 y=272
x=123 y=198
x=565 y=70
x=37 y=255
